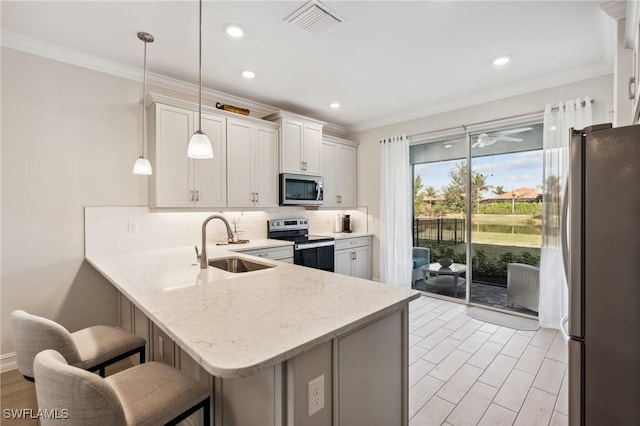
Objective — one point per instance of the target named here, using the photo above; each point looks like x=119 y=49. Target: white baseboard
x=8 y=362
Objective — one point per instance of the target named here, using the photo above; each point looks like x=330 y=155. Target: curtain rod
x=511 y=117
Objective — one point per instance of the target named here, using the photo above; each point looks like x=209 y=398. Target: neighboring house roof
x=519 y=194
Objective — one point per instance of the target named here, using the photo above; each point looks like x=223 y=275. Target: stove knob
x=278 y=223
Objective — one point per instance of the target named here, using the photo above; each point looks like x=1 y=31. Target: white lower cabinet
x=372 y=366
x=283 y=254
x=135 y=321
x=376 y=352
x=353 y=257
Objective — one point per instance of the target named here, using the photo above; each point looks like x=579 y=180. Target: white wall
x=600 y=89
x=69 y=139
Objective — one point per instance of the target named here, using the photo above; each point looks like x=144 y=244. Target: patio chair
x=523 y=285
x=420 y=258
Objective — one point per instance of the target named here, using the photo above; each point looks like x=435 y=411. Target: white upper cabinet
x=178 y=181
x=300 y=143
x=252 y=161
x=339 y=159
x=210 y=176
x=312 y=144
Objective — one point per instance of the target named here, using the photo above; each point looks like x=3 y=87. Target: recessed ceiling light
x=234 y=30
x=334 y=105
x=448 y=145
x=248 y=74
x=502 y=60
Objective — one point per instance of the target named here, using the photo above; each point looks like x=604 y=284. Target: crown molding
x=59 y=53
x=597 y=70
x=616 y=9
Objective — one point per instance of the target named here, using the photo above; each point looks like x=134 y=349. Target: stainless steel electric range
x=314 y=251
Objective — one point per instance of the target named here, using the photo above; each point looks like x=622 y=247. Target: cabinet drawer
x=271 y=253
x=349 y=243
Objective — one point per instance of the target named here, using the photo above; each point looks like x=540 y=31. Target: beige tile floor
x=466 y=372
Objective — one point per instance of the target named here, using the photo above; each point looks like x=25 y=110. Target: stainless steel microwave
x=301 y=190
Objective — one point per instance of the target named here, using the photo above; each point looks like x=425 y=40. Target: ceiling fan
x=484 y=139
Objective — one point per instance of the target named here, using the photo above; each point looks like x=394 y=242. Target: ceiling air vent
x=314 y=17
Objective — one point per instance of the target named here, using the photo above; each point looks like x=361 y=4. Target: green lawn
x=502 y=239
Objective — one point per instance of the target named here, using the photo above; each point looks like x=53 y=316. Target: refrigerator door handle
x=563 y=233
x=573 y=223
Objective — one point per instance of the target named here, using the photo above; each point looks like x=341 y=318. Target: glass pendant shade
x=199 y=146
x=142 y=166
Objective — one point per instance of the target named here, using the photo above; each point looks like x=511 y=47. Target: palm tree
x=478 y=186
x=499 y=190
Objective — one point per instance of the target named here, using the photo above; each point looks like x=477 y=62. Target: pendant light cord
x=144 y=92
x=200 y=71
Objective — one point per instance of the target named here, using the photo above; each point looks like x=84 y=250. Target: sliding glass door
x=492 y=208
x=439 y=222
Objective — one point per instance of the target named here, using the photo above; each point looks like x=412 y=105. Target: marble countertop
x=235 y=325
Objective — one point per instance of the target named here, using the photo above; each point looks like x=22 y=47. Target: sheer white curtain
x=395 y=212
x=554 y=301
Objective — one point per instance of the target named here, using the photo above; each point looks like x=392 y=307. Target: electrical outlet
x=132 y=226
x=315 y=395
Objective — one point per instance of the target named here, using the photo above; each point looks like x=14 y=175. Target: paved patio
x=481 y=293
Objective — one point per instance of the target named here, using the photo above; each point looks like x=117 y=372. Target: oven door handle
x=314 y=245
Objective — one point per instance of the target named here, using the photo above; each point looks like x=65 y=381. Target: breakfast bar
x=262 y=339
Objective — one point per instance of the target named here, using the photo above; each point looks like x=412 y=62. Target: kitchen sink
x=237 y=264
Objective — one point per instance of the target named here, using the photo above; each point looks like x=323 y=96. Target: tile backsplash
x=121 y=229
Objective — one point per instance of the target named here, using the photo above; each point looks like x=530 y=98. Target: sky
x=511 y=171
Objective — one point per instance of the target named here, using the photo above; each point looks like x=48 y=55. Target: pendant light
x=199 y=144
x=142 y=166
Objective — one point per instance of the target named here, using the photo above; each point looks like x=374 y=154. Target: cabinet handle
x=191 y=196
x=253 y=197
x=632 y=88
x=197 y=195
x=302 y=165
x=257 y=197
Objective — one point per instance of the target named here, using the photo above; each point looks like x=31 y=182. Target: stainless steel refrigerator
x=603 y=271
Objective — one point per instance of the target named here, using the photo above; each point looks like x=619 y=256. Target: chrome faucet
x=204 y=262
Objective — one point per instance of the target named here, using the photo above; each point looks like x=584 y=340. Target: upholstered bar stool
x=146 y=394
x=92 y=348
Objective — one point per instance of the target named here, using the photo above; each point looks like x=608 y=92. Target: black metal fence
x=439 y=230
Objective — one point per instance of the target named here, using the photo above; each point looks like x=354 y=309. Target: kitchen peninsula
x=258 y=338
